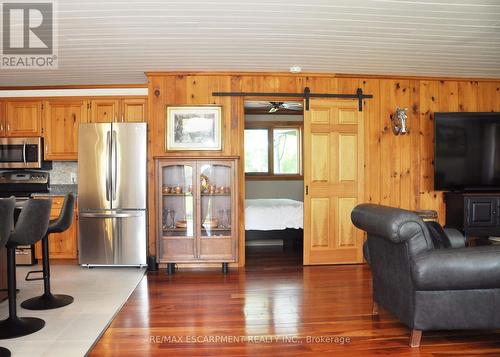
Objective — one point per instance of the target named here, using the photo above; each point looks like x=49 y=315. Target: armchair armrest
x=457 y=269
x=455 y=237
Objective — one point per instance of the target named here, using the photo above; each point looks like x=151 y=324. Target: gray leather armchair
x=454 y=288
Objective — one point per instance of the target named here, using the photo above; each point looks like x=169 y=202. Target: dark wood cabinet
x=476 y=214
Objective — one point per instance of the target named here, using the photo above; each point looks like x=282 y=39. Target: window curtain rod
x=306 y=94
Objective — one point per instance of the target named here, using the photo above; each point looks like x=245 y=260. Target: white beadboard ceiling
x=116 y=41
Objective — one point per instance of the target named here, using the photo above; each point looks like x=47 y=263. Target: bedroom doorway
x=274 y=183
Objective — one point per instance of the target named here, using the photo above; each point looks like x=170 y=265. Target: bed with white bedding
x=273 y=214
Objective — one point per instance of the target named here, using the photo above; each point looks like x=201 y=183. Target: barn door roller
x=306 y=95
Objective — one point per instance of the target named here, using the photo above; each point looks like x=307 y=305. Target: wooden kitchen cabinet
x=197 y=211
x=133 y=110
x=2 y=118
x=118 y=110
x=104 y=110
x=22 y=118
x=62 y=118
x=61 y=245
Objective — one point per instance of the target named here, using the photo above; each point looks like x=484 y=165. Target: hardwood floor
x=280 y=307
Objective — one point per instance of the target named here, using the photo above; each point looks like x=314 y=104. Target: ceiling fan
x=273 y=107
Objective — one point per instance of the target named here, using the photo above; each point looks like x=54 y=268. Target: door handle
x=114 y=157
x=108 y=163
x=307 y=190
x=24 y=154
x=109 y=214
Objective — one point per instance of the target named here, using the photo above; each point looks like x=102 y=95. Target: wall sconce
x=400 y=121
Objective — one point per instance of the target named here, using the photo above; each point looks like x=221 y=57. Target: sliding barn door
x=333 y=181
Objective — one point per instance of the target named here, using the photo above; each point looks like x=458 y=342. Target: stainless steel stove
x=22 y=184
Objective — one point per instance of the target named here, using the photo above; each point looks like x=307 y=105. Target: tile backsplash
x=63 y=172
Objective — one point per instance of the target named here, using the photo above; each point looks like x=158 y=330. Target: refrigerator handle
x=108 y=163
x=114 y=157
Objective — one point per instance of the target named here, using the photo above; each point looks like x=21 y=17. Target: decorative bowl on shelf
x=181 y=223
x=166 y=189
x=211 y=223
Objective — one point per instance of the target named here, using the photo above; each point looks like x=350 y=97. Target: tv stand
x=476 y=214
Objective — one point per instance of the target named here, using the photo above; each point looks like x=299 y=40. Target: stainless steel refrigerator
x=112 y=194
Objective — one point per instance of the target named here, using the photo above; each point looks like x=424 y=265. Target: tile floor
x=72 y=330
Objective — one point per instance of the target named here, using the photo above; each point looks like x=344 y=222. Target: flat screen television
x=467 y=151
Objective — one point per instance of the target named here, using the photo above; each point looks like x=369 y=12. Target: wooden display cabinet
x=197 y=211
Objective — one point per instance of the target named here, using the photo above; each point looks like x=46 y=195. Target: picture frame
x=194 y=128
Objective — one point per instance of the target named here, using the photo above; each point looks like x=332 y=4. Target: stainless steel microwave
x=21 y=153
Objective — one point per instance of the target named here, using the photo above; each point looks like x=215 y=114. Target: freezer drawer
x=112 y=238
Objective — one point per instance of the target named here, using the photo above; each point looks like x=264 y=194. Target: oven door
x=21 y=153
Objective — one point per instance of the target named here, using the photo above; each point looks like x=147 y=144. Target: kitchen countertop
x=58 y=190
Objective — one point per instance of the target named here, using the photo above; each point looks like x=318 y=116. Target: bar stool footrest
x=27 y=278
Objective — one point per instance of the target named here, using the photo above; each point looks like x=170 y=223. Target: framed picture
x=194 y=128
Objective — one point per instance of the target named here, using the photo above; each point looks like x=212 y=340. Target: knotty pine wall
x=399 y=169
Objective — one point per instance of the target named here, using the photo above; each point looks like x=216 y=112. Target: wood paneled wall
x=399 y=169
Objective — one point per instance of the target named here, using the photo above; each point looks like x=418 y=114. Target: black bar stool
x=29 y=229
x=6 y=224
x=4 y=352
x=49 y=301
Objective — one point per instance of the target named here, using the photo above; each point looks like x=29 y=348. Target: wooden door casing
x=334 y=180
x=62 y=118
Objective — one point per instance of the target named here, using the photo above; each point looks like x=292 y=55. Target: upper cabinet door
x=23 y=118
x=61 y=122
x=2 y=118
x=104 y=110
x=133 y=110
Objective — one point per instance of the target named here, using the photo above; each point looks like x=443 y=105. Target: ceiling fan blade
x=257 y=104
x=292 y=105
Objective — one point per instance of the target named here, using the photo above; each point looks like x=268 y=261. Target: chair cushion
x=457 y=269
x=439 y=238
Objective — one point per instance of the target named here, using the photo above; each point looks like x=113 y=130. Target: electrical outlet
x=73 y=178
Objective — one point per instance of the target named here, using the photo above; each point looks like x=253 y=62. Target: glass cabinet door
x=178 y=201
x=216 y=203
